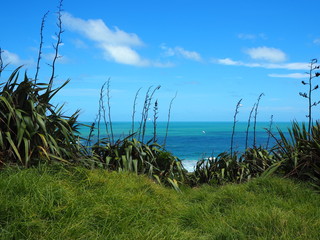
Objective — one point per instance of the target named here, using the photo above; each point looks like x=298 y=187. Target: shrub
x=32 y=130
x=300 y=152
x=142 y=158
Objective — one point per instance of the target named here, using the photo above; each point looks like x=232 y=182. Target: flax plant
x=31 y=128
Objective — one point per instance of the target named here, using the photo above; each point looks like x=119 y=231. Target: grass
x=60 y=203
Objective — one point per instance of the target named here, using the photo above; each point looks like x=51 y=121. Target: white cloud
x=267 y=54
x=288 y=66
x=188 y=54
x=116 y=44
x=13 y=59
x=228 y=61
x=290 y=75
x=124 y=54
x=179 y=51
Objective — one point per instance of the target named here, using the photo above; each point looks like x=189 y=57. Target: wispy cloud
x=265 y=57
x=14 y=59
x=288 y=66
x=117 y=45
x=290 y=75
x=229 y=61
x=179 y=51
x=266 y=54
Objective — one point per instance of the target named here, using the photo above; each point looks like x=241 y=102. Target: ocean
x=192 y=141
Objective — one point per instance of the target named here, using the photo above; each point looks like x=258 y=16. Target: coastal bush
x=131 y=155
x=299 y=153
x=235 y=168
x=32 y=130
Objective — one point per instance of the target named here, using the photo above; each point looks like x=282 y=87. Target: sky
x=210 y=53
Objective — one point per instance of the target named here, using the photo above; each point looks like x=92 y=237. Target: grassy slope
x=47 y=203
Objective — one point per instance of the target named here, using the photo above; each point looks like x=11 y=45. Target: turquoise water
x=191 y=141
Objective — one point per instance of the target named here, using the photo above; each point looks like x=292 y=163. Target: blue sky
x=212 y=53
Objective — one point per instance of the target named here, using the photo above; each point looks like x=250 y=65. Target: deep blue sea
x=191 y=141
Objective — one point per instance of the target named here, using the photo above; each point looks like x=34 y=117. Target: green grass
x=59 y=203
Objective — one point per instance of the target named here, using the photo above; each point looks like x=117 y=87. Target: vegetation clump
x=33 y=131
x=56 y=196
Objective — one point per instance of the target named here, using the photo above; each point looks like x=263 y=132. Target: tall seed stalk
x=255 y=120
x=40 y=46
x=145 y=111
x=234 y=125
x=1 y=61
x=100 y=110
x=308 y=95
x=155 y=117
x=248 y=126
x=90 y=134
x=269 y=131
x=109 y=111
x=168 y=121
x=56 y=45
x=134 y=111
x=2 y=67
